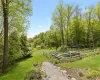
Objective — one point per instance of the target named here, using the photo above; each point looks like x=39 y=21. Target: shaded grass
x=19 y=71
x=89 y=62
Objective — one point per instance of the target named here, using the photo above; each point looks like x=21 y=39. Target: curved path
x=52 y=72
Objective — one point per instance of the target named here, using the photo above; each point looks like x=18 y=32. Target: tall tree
x=89 y=16
x=98 y=11
x=5 y=5
x=76 y=25
x=68 y=12
x=15 y=15
x=59 y=19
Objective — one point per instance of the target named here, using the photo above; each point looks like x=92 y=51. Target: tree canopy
x=72 y=26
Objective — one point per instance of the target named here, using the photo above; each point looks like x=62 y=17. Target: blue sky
x=40 y=21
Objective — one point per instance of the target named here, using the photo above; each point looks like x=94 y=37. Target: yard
x=89 y=62
x=20 y=69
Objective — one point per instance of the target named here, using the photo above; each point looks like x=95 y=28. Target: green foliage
x=78 y=28
x=42 y=46
x=1 y=44
x=55 y=61
x=25 y=46
x=93 y=74
x=34 y=75
x=19 y=11
x=38 y=47
x=18 y=47
x=14 y=47
x=18 y=14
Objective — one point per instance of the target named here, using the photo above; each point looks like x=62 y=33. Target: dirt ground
x=78 y=74
x=56 y=73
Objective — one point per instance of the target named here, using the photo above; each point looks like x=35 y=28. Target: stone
x=73 y=79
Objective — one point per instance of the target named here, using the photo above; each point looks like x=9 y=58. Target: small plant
x=55 y=61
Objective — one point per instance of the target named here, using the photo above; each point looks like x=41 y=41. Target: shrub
x=56 y=61
x=42 y=46
x=34 y=75
x=25 y=46
x=14 y=49
x=38 y=47
x=62 y=48
x=93 y=74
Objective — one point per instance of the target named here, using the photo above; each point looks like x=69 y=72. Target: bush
x=62 y=48
x=42 y=46
x=34 y=75
x=14 y=49
x=38 y=47
x=25 y=46
x=27 y=54
x=34 y=49
x=56 y=61
x=93 y=74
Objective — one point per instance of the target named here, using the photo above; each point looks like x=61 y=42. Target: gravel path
x=52 y=72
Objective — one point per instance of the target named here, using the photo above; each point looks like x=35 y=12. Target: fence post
x=70 y=57
x=80 y=56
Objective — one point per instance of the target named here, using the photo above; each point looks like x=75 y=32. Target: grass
x=89 y=62
x=19 y=71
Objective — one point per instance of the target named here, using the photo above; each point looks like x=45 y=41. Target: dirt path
x=52 y=72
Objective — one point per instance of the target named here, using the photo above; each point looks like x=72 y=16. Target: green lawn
x=19 y=71
x=89 y=62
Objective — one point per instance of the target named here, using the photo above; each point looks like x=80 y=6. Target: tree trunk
x=62 y=33
x=67 y=34
x=5 y=24
x=93 y=38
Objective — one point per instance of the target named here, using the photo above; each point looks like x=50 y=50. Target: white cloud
x=40 y=26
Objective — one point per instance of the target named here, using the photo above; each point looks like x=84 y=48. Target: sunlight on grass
x=90 y=62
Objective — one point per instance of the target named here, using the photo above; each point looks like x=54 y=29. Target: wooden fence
x=70 y=55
